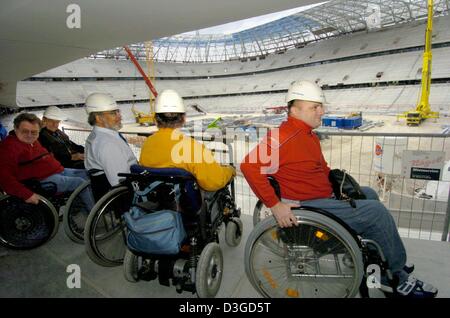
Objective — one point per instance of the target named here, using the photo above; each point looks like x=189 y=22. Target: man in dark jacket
x=68 y=153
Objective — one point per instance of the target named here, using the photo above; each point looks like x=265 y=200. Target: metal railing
x=420 y=208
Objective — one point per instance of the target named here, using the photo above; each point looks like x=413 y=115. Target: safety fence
x=411 y=172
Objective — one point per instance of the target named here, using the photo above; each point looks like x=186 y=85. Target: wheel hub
x=22 y=223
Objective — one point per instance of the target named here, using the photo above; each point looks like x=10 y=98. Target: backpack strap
x=143 y=193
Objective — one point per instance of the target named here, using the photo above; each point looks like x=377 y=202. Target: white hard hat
x=168 y=101
x=54 y=113
x=305 y=90
x=100 y=102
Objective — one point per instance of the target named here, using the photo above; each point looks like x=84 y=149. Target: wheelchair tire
x=25 y=226
x=260 y=212
x=303 y=261
x=76 y=214
x=131 y=266
x=233 y=232
x=104 y=234
x=209 y=271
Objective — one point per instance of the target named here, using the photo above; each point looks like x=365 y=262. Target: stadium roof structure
x=328 y=19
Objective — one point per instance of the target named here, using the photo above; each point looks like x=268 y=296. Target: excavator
x=141 y=117
x=214 y=123
x=423 y=109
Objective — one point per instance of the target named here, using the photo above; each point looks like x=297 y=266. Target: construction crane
x=141 y=117
x=423 y=109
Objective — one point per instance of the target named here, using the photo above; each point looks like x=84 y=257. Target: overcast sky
x=241 y=25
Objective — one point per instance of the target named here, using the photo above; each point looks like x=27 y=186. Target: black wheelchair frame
x=75 y=212
x=293 y=240
x=198 y=265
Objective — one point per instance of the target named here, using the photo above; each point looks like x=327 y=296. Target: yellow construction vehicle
x=142 y=118
x=423 y=109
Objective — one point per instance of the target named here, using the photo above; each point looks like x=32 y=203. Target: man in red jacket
x=23 y=158
x=292 y=154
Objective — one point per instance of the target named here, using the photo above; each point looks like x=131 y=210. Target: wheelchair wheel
x=104 y=234
x=260 y=212
x=233 y=232
x=131 y=266
x=303 y=261
x=209 y=271
x=76 y=214
x=26 y=226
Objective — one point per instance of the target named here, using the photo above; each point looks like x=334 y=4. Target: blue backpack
x=161 y=232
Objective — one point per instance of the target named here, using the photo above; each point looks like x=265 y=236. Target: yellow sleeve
x=210 y=175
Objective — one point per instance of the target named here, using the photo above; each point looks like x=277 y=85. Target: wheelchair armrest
x=159 y=174
x=31 y=183
x=46 y=189
x=147 y=176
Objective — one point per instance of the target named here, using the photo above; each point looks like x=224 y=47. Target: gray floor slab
x=42 y=272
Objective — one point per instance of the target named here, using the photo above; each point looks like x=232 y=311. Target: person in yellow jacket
x=170 y=148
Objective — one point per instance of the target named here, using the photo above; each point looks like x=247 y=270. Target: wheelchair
x=76 y=212
x=26 y=226
x=320 y=257
x=198 y=266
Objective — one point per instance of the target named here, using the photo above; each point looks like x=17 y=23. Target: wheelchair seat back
x=169 y=188
x=99 y=183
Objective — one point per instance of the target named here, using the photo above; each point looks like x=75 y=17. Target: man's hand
x=34 y=199
x=77 y=156
x=283 y=214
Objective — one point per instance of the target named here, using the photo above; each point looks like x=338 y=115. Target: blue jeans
x=371 y=220
x=70 y=179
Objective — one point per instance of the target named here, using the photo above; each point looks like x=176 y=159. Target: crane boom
x=143 y=118
x=423 y=109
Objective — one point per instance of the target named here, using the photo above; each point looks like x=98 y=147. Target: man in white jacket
x=106 y=149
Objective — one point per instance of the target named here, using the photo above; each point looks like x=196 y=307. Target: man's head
x=26 y=127
x=52 y=117
x=103 y=111
x=169 y=109
x=305 y=102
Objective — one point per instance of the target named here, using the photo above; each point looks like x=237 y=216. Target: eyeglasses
x=29 y=132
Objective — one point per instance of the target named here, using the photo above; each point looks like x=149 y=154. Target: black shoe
x=408 y=268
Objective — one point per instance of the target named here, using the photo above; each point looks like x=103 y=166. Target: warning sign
x=425 y=165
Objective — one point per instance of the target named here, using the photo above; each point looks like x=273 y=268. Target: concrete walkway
x=42 y=272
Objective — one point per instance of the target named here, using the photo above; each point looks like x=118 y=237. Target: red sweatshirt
x=13 y=167
x=302 y=171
